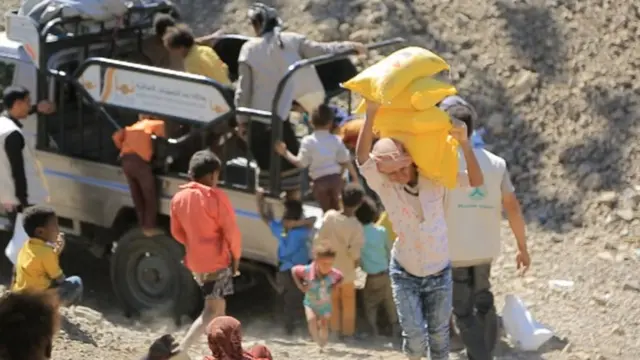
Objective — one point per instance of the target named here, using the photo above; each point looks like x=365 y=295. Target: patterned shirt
x=418 y=220
x=318 y=296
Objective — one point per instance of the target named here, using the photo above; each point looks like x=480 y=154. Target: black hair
x=322 y=116
x=37 y=216
x=352 y=195
x=202 y=163
x=463 y=114
x=162 y=22
x=179 y=36
x=28 y=322
x=292 y=210
x=323 y=250
x=14 y=93
x=367 y=212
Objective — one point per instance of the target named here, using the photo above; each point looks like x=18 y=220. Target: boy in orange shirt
x=136 y=151
x=203 y=220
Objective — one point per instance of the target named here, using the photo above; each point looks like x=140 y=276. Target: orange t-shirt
x=203 y=220
x=136 y=139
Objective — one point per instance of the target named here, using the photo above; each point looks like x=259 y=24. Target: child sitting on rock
x=317 y=281
x=38 y=264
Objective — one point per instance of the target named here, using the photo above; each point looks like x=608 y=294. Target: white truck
x=95 y=95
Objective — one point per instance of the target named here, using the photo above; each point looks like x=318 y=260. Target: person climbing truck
x=136 y=151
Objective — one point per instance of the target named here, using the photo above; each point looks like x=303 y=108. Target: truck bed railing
x=276 y=121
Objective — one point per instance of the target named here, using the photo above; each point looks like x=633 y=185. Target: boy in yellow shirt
x=38 y=264
x=198 y=59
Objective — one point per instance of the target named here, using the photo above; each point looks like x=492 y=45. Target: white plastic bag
x=17 y=241
x=526 y=333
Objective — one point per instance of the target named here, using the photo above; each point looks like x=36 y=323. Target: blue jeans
x=70 y=291
x=424 y=309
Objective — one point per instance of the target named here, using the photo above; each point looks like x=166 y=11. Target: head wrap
x=270 y=21
x=390 y=155
x=224 y=335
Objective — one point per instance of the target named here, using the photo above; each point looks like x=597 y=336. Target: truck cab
x=95 y=94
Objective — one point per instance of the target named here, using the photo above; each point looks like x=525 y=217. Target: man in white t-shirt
x=473 y=218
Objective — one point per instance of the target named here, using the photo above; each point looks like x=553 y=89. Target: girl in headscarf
x=262 y=63
x=224 y=335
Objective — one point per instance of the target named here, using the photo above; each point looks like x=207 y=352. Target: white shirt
x=419 y=221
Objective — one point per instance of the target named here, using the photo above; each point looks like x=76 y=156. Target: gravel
x=555 y=85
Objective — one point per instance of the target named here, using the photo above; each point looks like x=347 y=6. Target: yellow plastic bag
x=412 y=122
x=421 y=94
x=383 y=81
x=434 y=153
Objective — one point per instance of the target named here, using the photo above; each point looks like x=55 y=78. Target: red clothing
x=203 y=220
x=225 y=342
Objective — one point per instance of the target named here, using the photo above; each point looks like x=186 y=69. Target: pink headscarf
x=390 y=155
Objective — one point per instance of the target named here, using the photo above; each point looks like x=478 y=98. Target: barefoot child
x=316 y=281
x=326 y=157
x=203 y=220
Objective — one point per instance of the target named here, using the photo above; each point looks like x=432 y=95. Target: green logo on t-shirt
x=477 y=193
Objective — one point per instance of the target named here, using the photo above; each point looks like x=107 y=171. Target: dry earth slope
x=555 y=83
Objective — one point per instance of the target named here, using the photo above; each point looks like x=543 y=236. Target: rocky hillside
x=555 y=83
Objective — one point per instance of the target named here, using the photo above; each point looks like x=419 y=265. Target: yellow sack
x=383 y=81
x=412 y=122
x=434 y=153
x=421 y=94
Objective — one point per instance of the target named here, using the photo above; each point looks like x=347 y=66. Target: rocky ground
x=555 y=83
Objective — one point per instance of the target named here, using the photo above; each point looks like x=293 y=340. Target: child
x=203 y=220
x=294 y=235
x=136 y=150
x=29 y=321
x=317 y=281
x=344 y=233
x=326 y=157
x=38 y=264
x=374 y=260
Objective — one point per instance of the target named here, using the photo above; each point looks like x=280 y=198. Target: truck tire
x=148 y=277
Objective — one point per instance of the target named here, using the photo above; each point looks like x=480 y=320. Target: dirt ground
x=556 y=87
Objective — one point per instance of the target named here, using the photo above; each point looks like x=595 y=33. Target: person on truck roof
x=262 y=63
x=198 y=59
x=21 y=180
x=136 y=150
x=153 y=47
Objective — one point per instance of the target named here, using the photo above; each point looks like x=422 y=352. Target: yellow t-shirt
x=37 y=266
x=386 y=224
x=202 y=60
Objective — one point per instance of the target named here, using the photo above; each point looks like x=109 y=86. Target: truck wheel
x=148 y=278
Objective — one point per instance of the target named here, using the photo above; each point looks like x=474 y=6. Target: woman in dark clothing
x=262 y=63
